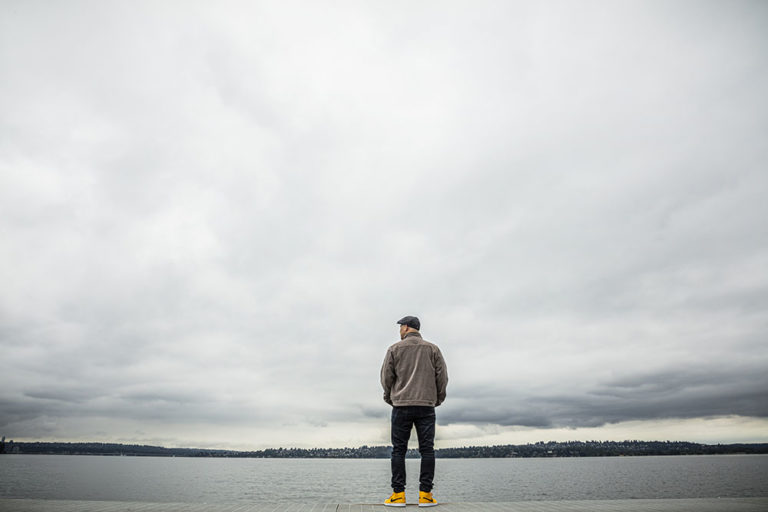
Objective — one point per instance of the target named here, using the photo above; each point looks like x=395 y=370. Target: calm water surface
x=204 y=480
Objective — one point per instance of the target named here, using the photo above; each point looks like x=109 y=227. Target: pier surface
x=653 y=505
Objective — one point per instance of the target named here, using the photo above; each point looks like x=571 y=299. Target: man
x=414 y=378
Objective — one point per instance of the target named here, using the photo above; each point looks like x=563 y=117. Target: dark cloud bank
x=648 y=396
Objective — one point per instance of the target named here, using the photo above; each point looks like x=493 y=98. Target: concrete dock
x=651 y=505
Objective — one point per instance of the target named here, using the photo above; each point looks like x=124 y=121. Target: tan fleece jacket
x=414 y=373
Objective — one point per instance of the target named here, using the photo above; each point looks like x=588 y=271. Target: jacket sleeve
x=388 y=375
x=441 y=376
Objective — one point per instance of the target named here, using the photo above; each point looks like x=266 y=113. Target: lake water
x=204 y=480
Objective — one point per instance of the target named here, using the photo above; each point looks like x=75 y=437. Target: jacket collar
x=413 y=334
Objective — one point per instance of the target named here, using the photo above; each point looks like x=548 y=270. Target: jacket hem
x=413 y=402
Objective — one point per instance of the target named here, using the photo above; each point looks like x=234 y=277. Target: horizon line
x=667 y=441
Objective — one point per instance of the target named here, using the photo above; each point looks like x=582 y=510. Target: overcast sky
x=213 y=214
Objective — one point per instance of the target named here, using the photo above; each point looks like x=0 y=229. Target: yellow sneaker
x=426 y=499
x=396 y=500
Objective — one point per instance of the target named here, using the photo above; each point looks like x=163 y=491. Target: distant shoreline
x=540 y=449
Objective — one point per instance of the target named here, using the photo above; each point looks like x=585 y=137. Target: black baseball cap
x=410 y=321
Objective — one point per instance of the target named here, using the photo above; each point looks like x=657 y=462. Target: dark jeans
x=403 y=419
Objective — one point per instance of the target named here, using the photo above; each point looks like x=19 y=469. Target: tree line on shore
x=540 y=449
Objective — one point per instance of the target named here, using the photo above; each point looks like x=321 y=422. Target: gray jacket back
x=414 y=373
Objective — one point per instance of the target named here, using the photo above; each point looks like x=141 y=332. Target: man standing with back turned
x=414 y=378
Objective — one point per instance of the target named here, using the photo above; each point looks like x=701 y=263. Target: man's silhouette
x=414 y=378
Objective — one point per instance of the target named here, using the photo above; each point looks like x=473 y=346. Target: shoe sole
x=394 y=504
x=427 y=504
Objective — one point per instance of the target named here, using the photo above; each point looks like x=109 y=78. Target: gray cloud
x=213 y=215
x=680 y=393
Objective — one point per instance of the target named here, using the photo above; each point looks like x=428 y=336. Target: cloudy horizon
x=211 y=217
